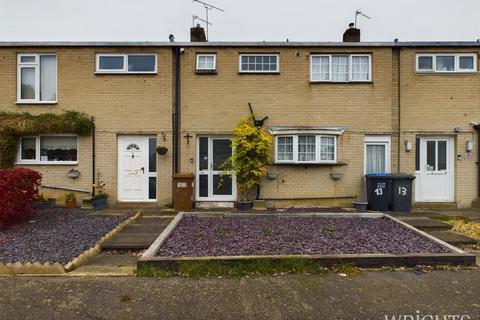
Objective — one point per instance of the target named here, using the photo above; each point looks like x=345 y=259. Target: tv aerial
x=195 y=18
x=359 y=13
x=207 y=7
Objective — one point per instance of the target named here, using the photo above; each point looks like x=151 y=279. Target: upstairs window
x=126 y=63
x=37 y=78
x=446 y=62
x=340 y=68
x=48 y=149
x=206 y=62
x=306 y=149
x=259 y=63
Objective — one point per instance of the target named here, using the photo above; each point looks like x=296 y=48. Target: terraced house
x=336 y=111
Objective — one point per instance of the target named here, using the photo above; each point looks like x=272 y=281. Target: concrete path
x=142 y=233
x=370 y=295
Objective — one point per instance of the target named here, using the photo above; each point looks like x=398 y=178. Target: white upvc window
x=446 y=62
x=48 y=149
x=137 y=63
x=206 y=62
x=37 y=78
x=259 y=63
x=341 y=68
x=305 y=148
x=377 y=154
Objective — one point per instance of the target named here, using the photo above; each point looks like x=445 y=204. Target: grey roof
x=263 y=44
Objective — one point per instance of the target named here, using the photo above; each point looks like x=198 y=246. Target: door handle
x=143 y=170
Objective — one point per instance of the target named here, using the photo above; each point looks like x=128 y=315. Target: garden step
x=426 y=224
x=130 y=241
x=453 y=238
x=145 y=228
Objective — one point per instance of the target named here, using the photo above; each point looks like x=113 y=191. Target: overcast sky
x=243 y=20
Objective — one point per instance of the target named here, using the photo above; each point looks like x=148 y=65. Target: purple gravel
x=54 y=235
x=292 y=235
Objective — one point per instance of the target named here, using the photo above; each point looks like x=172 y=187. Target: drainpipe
x=93 y=156
x=477 y=128
x=399 y=123
x=176 y=51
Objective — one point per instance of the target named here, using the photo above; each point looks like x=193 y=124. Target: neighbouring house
x=336 y=111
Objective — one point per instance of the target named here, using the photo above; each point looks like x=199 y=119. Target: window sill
x=341 y=82
x=203 y=72
x=310 y=164
x=36 y=102
x=124 y=73
x=51 y=163
x=274 y=73
x=446 y=72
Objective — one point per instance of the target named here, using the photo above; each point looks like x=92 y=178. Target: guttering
x=176 y=52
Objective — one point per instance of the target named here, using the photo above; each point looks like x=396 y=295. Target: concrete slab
x=153 y=221
x=108 y=264
x=130 y=241
x=425 y=224
x=453 y=237
x=145 y=228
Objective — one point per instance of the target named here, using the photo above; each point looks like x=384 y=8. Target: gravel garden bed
x=251 y=236
x=54 y=235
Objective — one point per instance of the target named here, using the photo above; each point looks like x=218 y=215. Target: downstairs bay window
x=308 y=148
x=57 y=149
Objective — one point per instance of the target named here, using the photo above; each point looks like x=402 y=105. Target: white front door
x=434 y=173
x=137 y=172
x=212 y=182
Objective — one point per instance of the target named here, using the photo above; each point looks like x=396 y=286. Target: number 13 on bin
x=380 y=187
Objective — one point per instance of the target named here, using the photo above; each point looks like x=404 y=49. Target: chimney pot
x=171 y=38
x=352 y=34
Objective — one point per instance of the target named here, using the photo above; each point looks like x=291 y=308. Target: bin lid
x=402 y=175
x=377 y=175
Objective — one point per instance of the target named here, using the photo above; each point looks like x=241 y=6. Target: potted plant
x=45 y=203
x=252 y=145
x=99 y=200
x=70 y=200
x=161 y=150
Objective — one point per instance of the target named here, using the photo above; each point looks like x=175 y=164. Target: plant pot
x=71 y=204
x=45 y=204
x=244 y=205
x=100 y=203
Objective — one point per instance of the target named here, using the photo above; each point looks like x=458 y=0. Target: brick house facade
x=336 y=110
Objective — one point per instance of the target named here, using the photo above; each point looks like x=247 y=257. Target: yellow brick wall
x=213 y=104
x=120 y=103
x=436 y=104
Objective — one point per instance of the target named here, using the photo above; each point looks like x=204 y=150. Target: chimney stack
x=197 y=34
x=352 y=34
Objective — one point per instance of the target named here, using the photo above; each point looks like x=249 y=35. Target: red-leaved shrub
x=18 y=194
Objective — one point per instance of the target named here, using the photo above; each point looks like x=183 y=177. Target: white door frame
x=210 y=172
x=147 y=174
x=450 y=168
x=378 y=140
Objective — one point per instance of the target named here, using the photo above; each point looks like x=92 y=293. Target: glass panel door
x=213 y=183
x=221 y=151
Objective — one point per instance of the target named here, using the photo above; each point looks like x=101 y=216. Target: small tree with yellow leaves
x=252 y=146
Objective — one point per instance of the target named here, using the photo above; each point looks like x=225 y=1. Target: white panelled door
x=435 y=168
x=136 y=168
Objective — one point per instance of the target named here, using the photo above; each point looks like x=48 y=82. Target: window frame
x=350 y=56
x=456 y=63
x=197 y=59
x=125 y=63
x=37 y=160
x=241 y=55
x=36 y=66
x=374 y=140
x=295 y=146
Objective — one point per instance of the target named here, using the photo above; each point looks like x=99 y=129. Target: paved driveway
x=370 y=295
